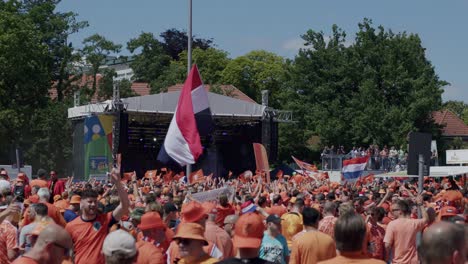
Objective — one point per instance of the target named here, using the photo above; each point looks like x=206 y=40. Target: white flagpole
x=189 y=65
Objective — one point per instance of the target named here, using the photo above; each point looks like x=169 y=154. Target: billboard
x=458 y=156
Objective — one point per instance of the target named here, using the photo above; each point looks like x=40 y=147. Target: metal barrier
x=335 y=163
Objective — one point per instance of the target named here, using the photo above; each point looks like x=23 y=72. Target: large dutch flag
x=191 y=120
x=353 y=168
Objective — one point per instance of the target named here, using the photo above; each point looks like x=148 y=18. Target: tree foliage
x=373 y=91
x=175 y=41
x=256 y=71
x=459 y=108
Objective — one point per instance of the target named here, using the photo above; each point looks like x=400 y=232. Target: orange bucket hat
x=190 y=231
x=193 y=211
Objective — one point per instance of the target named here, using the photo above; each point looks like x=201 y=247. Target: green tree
x=106 y=85
x=24 y=76
x=96 y=49
x=373 y=91
x=149 y=60
x=457 y=107
x=175 y=41
x=211 y=63
x=256 y=71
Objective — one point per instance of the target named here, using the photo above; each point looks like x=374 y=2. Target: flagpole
x=189 y=65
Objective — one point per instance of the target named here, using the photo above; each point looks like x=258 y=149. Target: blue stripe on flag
x=352 y=175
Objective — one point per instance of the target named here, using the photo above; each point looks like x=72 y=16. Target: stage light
x=141 y=139
x=155 y=139
x=224 y=133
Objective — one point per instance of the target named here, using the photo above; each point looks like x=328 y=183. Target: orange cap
x=151 y=220
x=76 y=199
x=190 y=231
x=248 y=232
x=193 y=212
x=447 y=211
x=57 y=197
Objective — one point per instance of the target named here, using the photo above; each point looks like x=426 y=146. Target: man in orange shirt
x=217 y=235
x=41 y=180
x=350 y=234
x=312 y=245
x=277 y=208
x=401 y=232
x=90 y=229
x=8 y=236
x=190 y=240
x=327 y=224
x=223 y=209
x=52 y=245
x=149 y=247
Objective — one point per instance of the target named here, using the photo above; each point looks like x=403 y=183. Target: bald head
x=54 y=234
x=443 y=242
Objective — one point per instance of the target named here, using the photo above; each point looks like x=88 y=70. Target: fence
x=335 y=163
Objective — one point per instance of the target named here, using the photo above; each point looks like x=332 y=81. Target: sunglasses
x=67 y=252
x=184 y=241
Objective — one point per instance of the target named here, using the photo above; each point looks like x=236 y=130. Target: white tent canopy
x=165 y=103
x=437 y=171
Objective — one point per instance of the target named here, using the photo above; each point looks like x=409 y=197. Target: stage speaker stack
x=419 y=143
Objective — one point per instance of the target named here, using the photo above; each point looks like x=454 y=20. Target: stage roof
x=437 y=171
x=165 y=103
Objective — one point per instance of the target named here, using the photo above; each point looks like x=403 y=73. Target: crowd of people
x=157 y=219
x=386 y=159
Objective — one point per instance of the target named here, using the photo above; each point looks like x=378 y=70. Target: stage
x=144 y=124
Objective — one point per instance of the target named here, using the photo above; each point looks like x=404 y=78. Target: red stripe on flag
x=185 y=117
x=355 y=161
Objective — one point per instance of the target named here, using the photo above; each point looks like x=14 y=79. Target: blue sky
x=276 y=25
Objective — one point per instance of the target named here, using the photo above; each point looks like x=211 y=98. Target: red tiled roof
x=141 y=88
x=453 y=125
x=227 y=88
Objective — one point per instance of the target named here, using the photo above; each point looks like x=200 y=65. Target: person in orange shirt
x=350 y=234
x=327 y=224
x=277 y=208
x=53 y=211
x=190 y=240
x=247 y=239
x=119 y=248
x=216 y=234
x=52 y=246
x=149 y=247
x=312 y=245
x=89 y=230
x=8 y=236
x=193 y=212
x=400 y=234
x=41 y=180
x=224 y=208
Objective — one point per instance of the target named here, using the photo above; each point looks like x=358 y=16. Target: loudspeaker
x=123 y=132
x=419 y=143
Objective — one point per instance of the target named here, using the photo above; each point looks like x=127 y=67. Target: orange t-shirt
x=349 y=260
x=8 y=235
x=222 y=212
x=327 y=225
x=149 y=253
x=312 y=247
x=24 y=260
x=401 y=234
x=220 y=238
x=62 y=204
x=38 y=182
x=277 y=210
x=88 y=237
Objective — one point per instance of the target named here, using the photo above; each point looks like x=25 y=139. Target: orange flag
x=196 y=176
x=151 y=174
x=261 y=159
x=168 y=177
x=127 y=176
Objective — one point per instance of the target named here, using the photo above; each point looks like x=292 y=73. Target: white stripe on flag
x=354 y=167
x=176 y=146
x=199 y=99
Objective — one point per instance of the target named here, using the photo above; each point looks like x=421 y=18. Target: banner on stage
x=213 y=195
